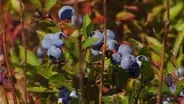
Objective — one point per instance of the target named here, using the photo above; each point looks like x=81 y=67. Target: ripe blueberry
x=64 y=95
x=40 y=52
x=99 y=36
x=61 y=35
x=47 y=41
x=124 y=48
x=57 y=40
x=95 y=52
x=180 y=72
x=127 y=60
x=110 y=34
x=116 y=57
x=73 y=94
x=134 y=70
x=112 y=45
x=141 y=58
x=66 y=12
x=54 y=52
x=74 y=20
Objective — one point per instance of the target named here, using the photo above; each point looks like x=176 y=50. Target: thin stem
x=103 y=53
x=167 y=25
x=5 y=51
x=81 y=73
x=25 y=48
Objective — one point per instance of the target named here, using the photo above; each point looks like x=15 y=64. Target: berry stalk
x=103 y=53
x=167 y=25
x=81 y=73
x=25 y=48
x=5 y=51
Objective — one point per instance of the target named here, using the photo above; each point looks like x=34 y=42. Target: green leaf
x=175 y=11
x=58 y=80
x=47 y=72
x=179 y=86
x=31 y=58
x=136 y=45
x=37 y=3
x=40 y=89
x=88 y=42
x=87 y=26
x=153 y=41
x=147 y=71
x=177 y=44
x=49 y=4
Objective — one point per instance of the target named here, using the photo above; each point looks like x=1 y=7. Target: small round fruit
x=73 y=94
x=60 y=35
x=66 y=12
x=180 y=72
x=54 y=52
x=141 y=58
x=47 y=41
x=172 y=88
x=74 y=20
x=40 y=52
x=95 y=52
x=181 y=94
x=124 y=48
x=110 y=34
x=116 y=57
x=99 y=36
x=112 y=45
x=127 y=60
x=134 y=70
x=57 y=41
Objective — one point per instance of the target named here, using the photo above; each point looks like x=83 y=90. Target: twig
x=81 y=73
x=167 y=25
x=5 y=51
x=103 y=53
x=25 y=48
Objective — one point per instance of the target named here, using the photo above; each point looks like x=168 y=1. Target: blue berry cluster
x=121 y=54
x=65 y=95
x=52 y=43
x=67 y=13
x=171 y=83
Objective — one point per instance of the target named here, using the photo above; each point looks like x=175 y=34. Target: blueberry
x=66 y=12
x=95 y=52
x=64 y=95
x=99 y=36
x=116 y=57
x=180 y=72
x=127 y=60
x=74 y=19
x=61 y=35
x=57 y=40
x=124 y=48
x=170 y=81
x=54 y=52
x=40 y=52
x=134 y=70
x=141 y=58
x=112 y=45
x=110 y=34
x=181 y=93
x=73 y=94
x=47 y=41
x=172 y=88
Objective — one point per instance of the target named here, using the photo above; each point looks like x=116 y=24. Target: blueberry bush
x=91 y=52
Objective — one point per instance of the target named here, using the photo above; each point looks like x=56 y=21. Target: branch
x=10 y=72
x=103 y=53
x=25 y=48
x=167 y=25
x=81 y=73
